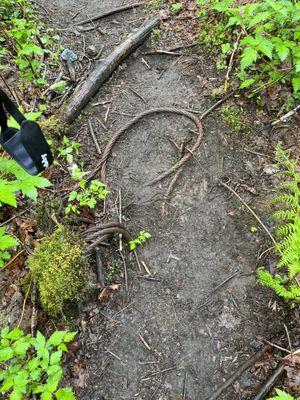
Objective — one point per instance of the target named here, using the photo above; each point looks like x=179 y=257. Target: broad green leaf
x=46 y=396
x=7 y=241
x=56 y=338
x=282 y=51
x=65 y=394
x=69 y=336
x=296 y=84
x=7 y=193
x=5 y=330
x=21 y=348
x=249 y=56
x=16 y=395
x=33 y=364
x=8 y=383
x=6 y=354
x=55 y=357
x=15 y=334
x=39 y=342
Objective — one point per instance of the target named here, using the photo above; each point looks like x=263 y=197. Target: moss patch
x=235 y=118
x=58 y=266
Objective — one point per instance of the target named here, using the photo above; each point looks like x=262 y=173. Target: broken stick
x=110 y=12
x=104 y=70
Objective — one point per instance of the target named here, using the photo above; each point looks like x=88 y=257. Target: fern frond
x=286 y=198
x=290 y=186
x=284 y=215
x=285 y=230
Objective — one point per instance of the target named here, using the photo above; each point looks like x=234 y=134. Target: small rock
x=68 y=55
x=270 y=169
x=91 y=51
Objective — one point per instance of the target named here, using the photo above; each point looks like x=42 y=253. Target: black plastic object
x=27 y=146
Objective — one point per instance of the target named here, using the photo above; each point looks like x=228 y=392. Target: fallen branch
x=238 y=373
x=286 y=116
x=267 y=386
x=104 y=70
x=110 y=12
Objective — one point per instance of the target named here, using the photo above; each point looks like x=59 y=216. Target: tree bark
x=83 y=94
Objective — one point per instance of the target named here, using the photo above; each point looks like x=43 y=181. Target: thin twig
x=24 y=304
x=216 y=105
x=94 y=138
x=251 y=211
x=12 y=260
x=234 y=50
x=138 y=95
x=289 y=339
x=110 y=12
x=34 y=314
x=170 y=66
x=125 y=269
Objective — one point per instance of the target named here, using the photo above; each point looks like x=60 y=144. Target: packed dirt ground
x=178 y=328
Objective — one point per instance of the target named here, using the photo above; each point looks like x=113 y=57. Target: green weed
x=282 y=396
x=140 y=240
x=25 y=44
x=268 y=34
x=286 y=282
x=32 y=365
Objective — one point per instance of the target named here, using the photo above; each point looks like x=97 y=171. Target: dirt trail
x=173 y=337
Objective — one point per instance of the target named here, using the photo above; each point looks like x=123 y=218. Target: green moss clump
x=58 y=266
x=234 y=117
x=53 y=127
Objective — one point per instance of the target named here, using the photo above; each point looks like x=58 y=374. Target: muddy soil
x=180 y=335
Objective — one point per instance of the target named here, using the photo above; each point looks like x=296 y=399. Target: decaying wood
x=104 y=70
x=216 y=395
x=267 y=386
x=110 y=12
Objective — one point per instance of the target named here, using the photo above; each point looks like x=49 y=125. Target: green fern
x=287 y=284
x=282 y=396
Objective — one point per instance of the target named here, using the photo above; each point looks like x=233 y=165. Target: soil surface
x=181 y=334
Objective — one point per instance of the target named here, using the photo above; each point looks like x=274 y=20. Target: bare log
x=110 y=12
x=104 y=70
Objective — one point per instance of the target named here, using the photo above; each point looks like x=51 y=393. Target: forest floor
x=179 y=335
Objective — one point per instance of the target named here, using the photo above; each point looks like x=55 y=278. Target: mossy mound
x=58 y=266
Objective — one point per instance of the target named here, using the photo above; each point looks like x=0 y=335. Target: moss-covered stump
x=58 y=266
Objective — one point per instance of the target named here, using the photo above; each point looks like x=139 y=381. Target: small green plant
x=176 y=6
x=234 y=116
x=26 y=42
x=86 y=196
x=282 y=396
x=111 y=270
x=68 y=148
x=267 y=33
x=286 y=284
x=6 y=243
x=32 y=365
x=140 y=240
x=58 y=266
x=14 y=179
